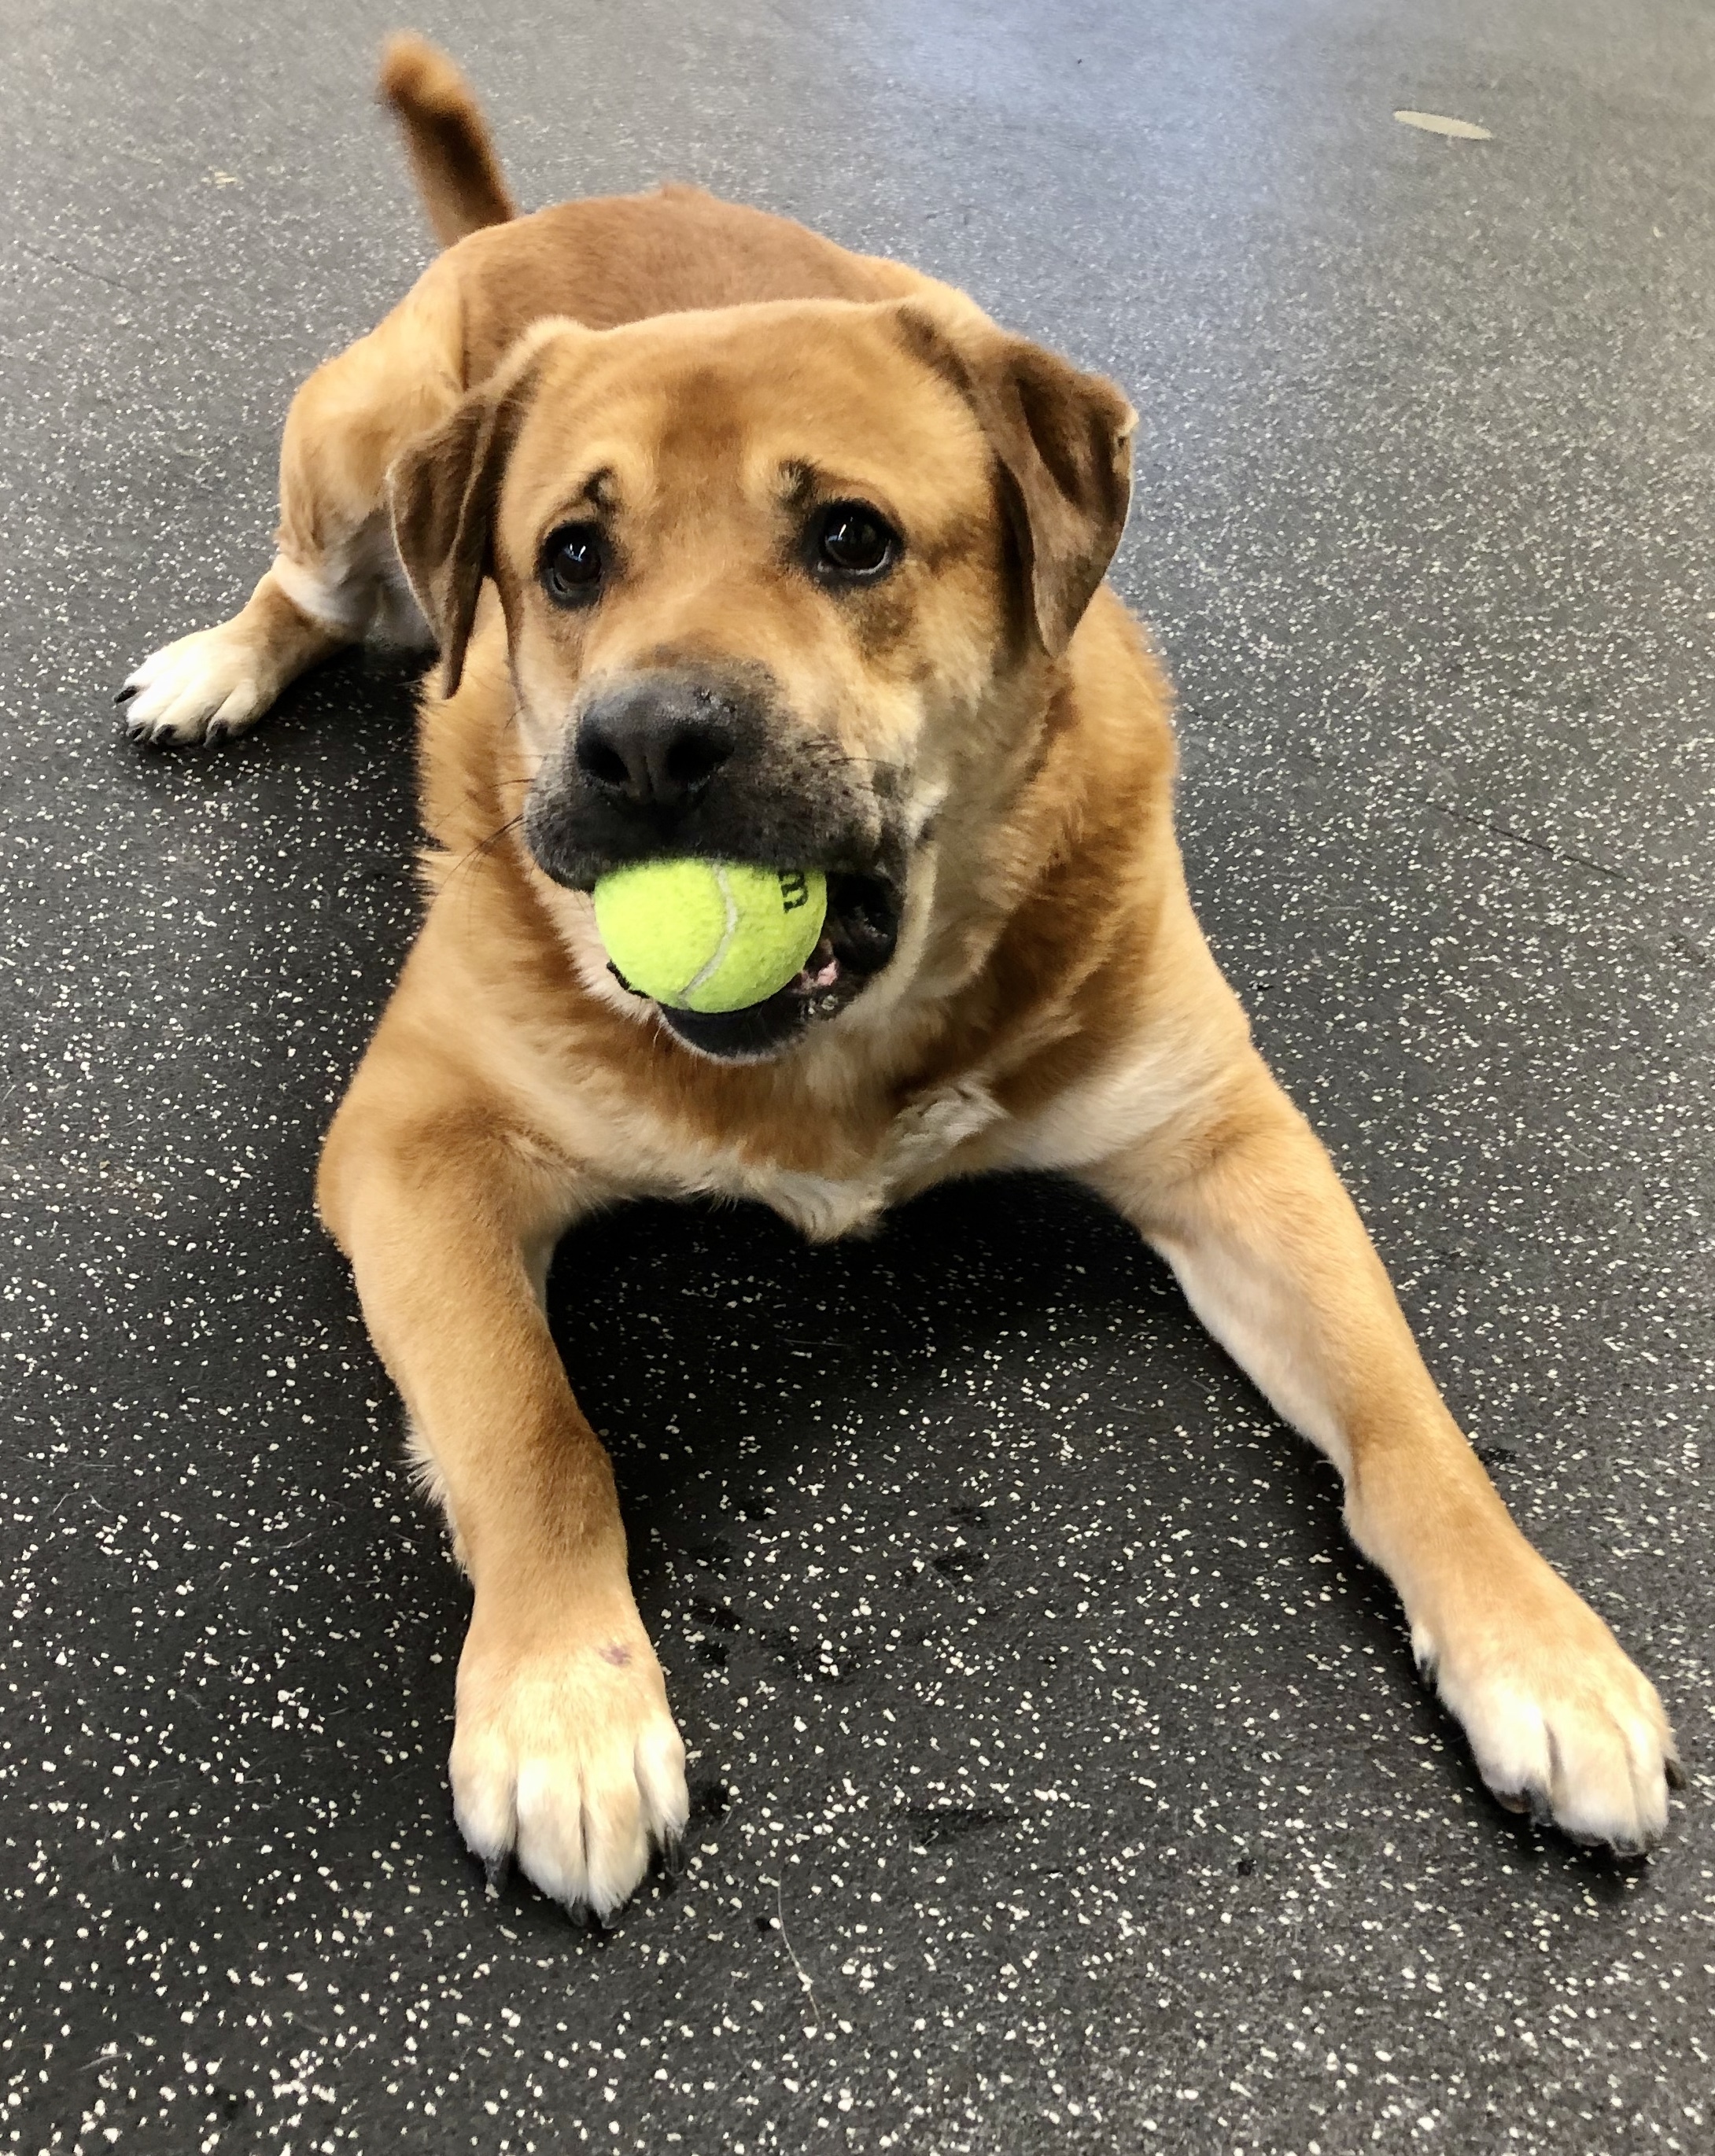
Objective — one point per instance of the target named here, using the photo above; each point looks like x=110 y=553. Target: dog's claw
x=126 y=693
x=673 y=1855
x=1677 y=1779
x=496 y=1870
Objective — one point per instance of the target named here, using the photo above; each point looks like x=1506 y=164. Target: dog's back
x=606 y=261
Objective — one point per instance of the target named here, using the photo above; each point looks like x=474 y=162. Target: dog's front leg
x=1246 y=1208
x=565 y=1752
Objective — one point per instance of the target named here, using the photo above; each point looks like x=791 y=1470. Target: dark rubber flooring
x=1063 y=1781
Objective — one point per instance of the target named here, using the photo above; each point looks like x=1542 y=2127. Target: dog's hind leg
x=336 y=578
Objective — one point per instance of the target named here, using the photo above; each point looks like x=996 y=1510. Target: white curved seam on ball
x=713 y=965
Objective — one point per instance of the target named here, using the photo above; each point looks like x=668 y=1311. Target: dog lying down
x=737 y=545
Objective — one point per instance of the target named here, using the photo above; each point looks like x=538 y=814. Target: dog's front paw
x=1561 y=1722
x=565 y=1755
x=201 y=689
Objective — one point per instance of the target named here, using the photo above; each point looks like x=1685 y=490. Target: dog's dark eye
x=572 y=564
x=851 y=543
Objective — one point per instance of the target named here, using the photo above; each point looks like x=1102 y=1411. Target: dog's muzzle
x=667 y=762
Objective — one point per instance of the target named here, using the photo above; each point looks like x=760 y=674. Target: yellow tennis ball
x=710 y=936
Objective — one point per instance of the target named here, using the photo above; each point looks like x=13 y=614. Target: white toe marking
x=1562 y=1717
x=181 y=688
x=567 y=1756
x=225 y=677
x=484 y=1803
x=660 y=1776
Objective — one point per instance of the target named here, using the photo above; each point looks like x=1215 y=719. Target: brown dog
x=737 y=545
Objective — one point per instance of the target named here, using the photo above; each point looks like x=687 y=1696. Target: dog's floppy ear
x=441 y=495
x=1062 y=443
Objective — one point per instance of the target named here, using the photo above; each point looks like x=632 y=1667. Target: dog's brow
x=599 y=491
x=798 y=483
x=803 y=483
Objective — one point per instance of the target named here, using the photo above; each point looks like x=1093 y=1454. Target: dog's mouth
x=858 y=939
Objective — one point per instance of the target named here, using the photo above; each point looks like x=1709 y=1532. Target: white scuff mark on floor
x=816 y=2019
x=1438 y=123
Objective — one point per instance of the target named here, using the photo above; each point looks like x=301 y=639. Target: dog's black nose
x=653 y=746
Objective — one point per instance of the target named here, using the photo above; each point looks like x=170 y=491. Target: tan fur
x=1052 y=1003
x=453 y=159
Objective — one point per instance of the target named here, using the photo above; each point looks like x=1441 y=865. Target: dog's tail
x=452 y=156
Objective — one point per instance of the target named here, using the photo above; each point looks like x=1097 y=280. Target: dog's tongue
x=821 y=970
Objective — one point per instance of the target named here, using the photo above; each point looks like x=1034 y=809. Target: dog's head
x=782 y=584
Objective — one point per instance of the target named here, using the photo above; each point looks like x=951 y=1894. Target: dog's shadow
x=715 y=1350
x=992 y=1334
x=959 y=1397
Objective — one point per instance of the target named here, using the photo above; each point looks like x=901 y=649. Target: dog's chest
x=919 y=1146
